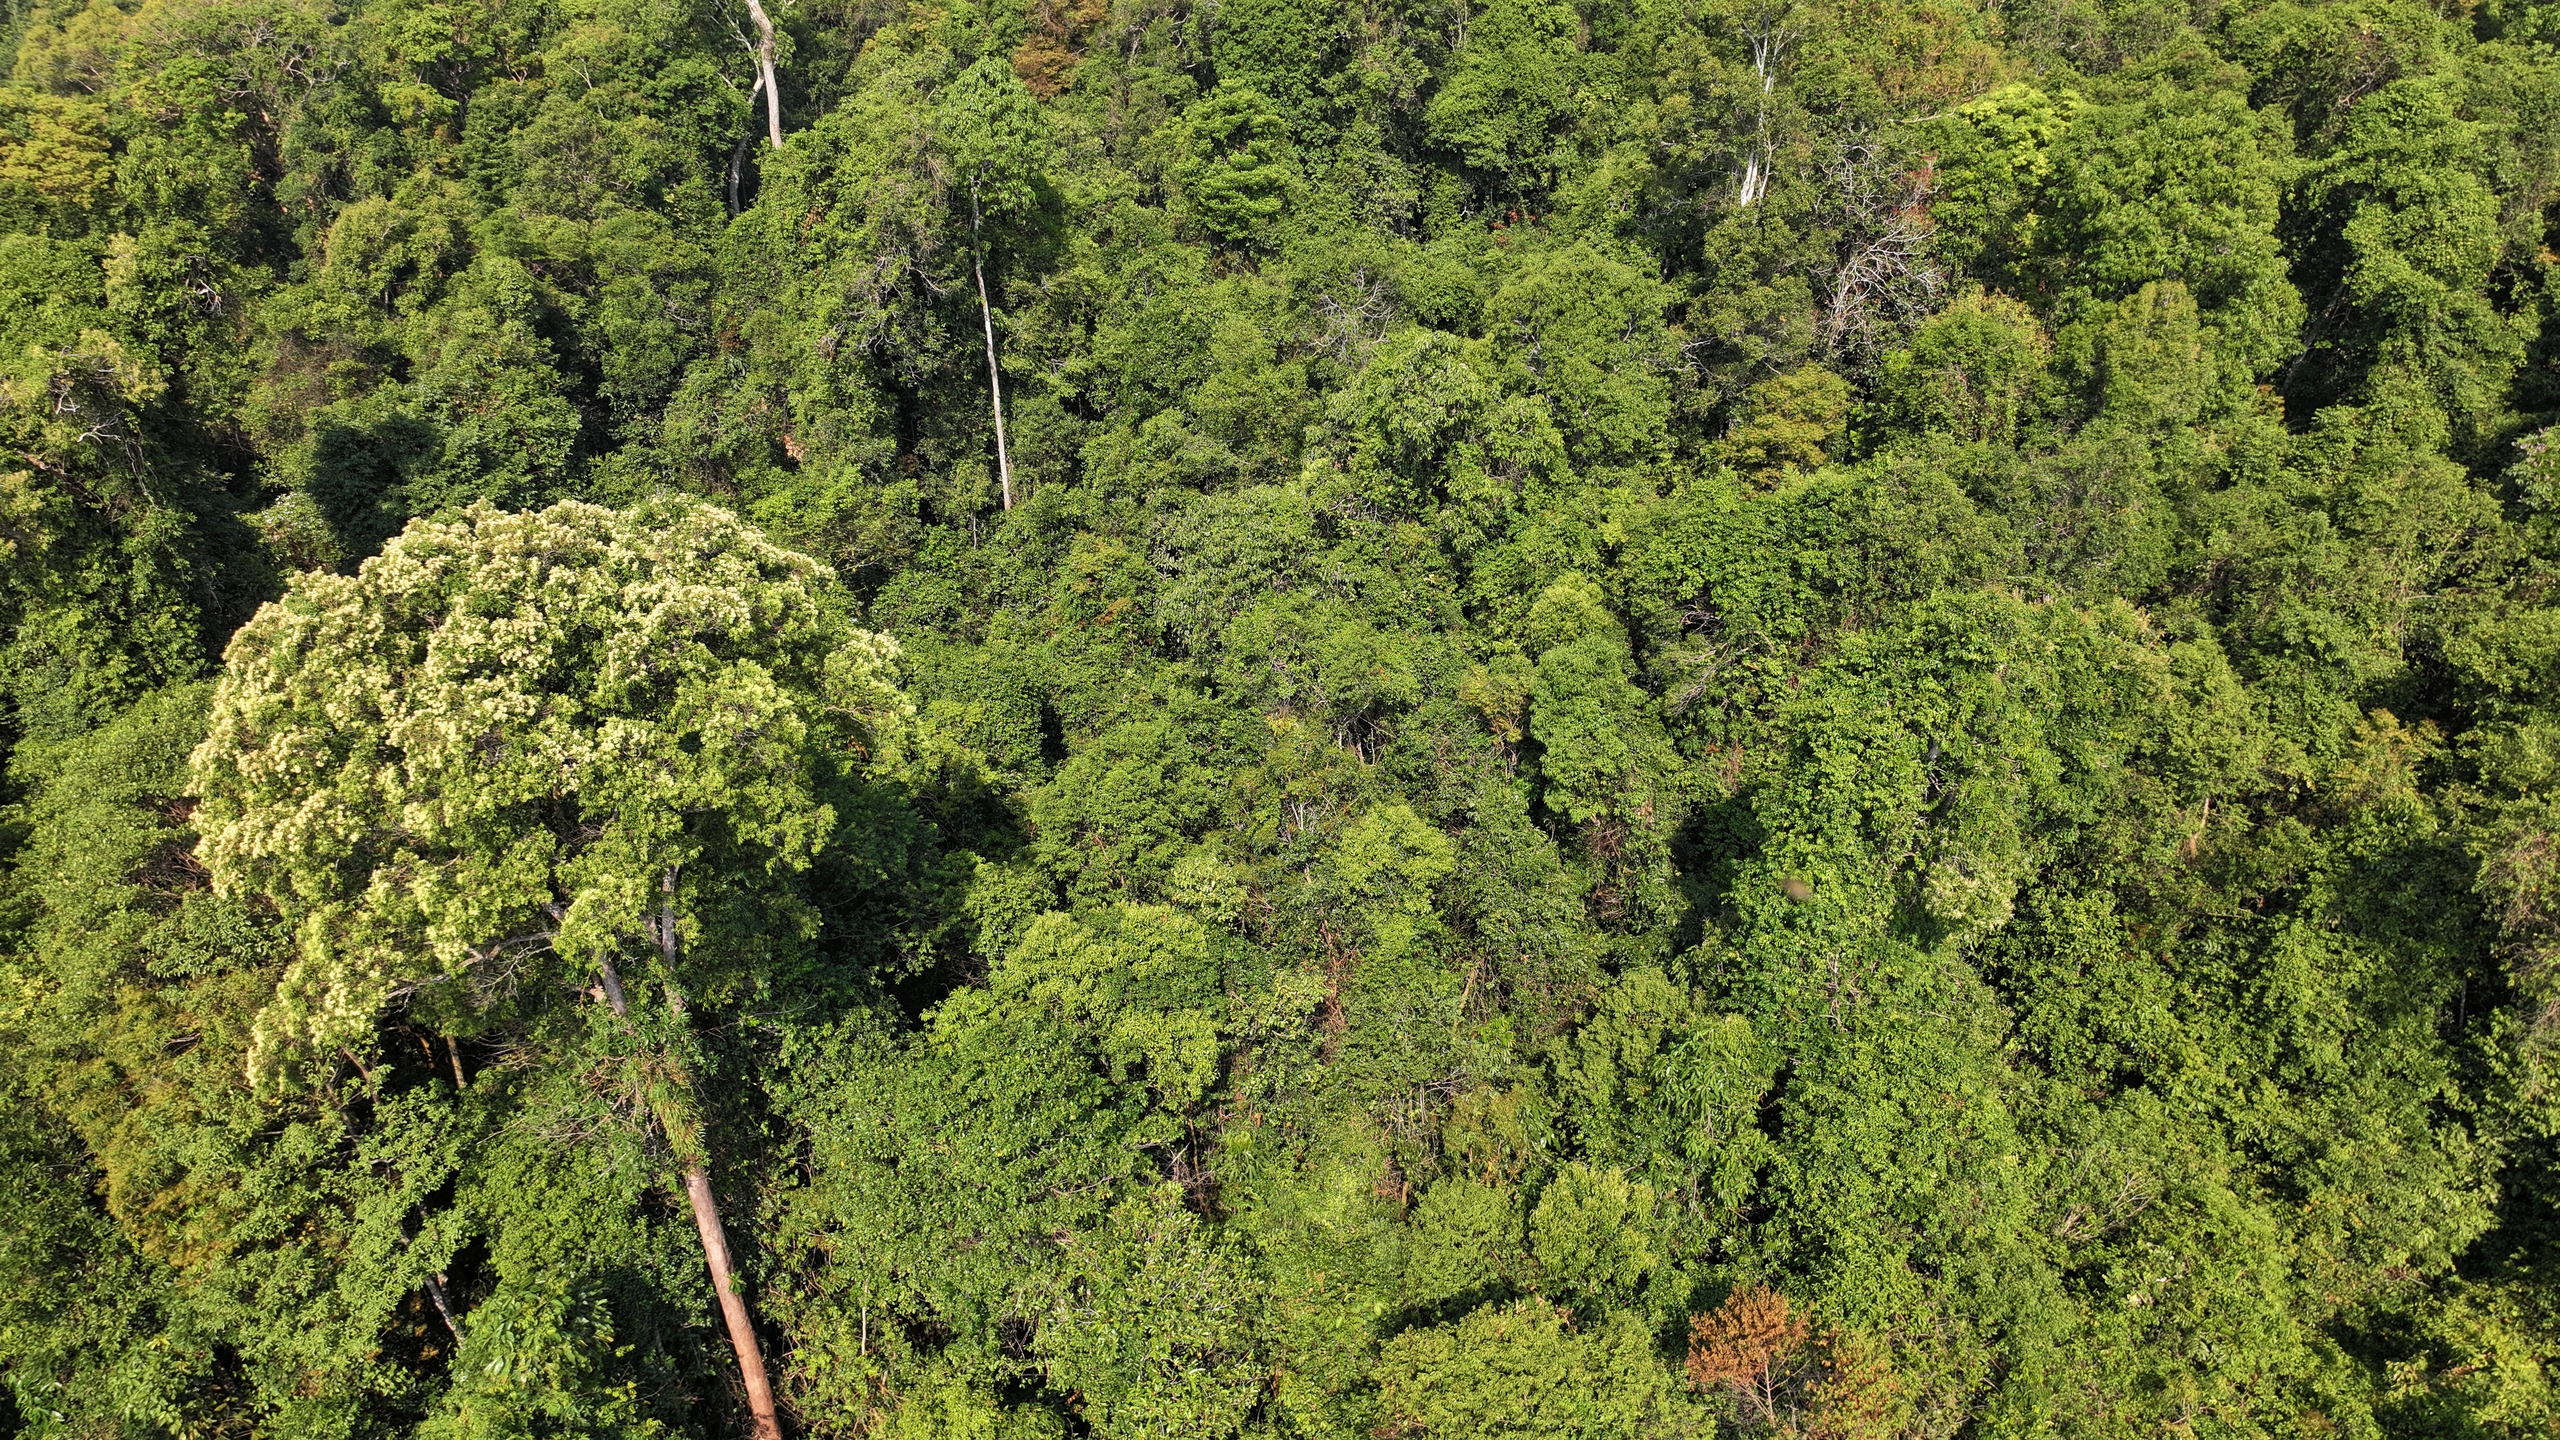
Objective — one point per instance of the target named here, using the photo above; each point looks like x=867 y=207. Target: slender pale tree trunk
x=764 y=72
x=706 y=1206
x=444 y=1306
x=1769 y=40
x=987 y=317
x=434 y=1282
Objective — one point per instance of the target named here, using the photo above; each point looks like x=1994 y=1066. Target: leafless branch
x=1888 y=275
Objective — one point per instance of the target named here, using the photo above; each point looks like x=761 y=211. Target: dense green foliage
x=1798 y=717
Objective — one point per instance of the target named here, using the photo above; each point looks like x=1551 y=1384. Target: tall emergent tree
x=519 y=760
x=991 y=136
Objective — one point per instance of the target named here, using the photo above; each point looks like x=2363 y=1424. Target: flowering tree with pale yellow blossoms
x=524 y=760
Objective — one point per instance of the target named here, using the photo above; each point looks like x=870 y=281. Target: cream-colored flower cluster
x=487 y=750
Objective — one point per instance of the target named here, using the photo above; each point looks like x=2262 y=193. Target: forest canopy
x=1828 y=719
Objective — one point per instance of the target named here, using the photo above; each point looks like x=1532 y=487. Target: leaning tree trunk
x=733 y=1306
x=706 y=1209
x=764 y=72
x=987 y=317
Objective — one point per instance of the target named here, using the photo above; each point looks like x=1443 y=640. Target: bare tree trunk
x=1768 y=38
x=733 y=1306
x=444 y=1306
x=614 y=999
x=435 y=1281
x=706 y=1208
x=987 y=317
x=764 y=72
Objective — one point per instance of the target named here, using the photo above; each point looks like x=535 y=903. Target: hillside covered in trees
x=1289 y=718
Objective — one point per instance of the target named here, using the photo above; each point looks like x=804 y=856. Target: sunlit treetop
x=472 y=766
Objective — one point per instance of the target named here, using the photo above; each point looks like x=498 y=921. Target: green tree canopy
x=514 y=745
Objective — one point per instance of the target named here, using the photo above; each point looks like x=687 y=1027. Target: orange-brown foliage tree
x=1782 y=1375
